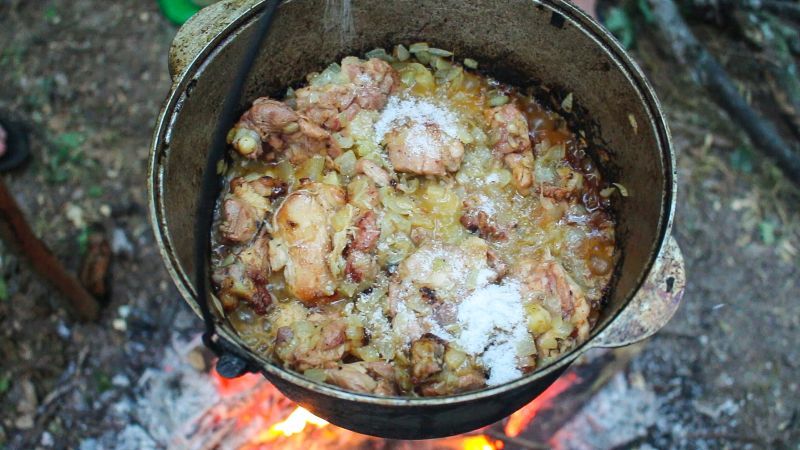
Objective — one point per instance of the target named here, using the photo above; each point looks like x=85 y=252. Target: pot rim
x=162 y=136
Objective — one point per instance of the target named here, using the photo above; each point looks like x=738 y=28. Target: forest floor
x=88 y=78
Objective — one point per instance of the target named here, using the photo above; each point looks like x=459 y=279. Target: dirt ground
x=88 y=77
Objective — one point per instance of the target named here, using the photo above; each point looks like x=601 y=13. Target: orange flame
x=295 y=423
x=518 y=421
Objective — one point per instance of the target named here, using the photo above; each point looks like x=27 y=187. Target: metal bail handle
x=231 y=363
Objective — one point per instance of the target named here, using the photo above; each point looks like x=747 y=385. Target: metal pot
x=549 y=42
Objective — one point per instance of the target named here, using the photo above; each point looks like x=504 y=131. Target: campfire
x=251 y=414
x=186 y=404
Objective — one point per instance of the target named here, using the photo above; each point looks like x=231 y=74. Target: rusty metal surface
x=653 y=306
x=550 y=41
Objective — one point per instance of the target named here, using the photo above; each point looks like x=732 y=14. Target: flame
x=295 y=423
x=518 y=421
x=477 y=443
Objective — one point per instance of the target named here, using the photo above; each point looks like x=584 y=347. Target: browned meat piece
x=375 y=172
x=333 y=334
x=510 y=142
x=423 y=149
x=302 y=241
x=521 y=165
x=284 y=335
x=367 y=232
x=316 y=343
x=370 y=83
x=427 y=355
x=509 y=130
x=246 y=206
x=264 y=186
x=246 y=277
x=469 y=380
x=496 y=263
x=351 y=377
x=546 y=281
x=323 y=104
x=374 y=79
x=367 y=377
x=479 y=222
x=361 y=263
x=283 y=129
x=435 y=267
x=239 y=222
x=555 y=192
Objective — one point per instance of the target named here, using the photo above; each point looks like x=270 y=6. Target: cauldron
x=549 y=44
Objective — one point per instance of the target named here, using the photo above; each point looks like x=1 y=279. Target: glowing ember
x=295 y=423
x=518 y=421
x=230 y=386
x=478 y=443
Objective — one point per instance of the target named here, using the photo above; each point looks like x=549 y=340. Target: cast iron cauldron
x=544 y=42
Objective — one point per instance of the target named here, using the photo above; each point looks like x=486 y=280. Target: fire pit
x=185 y=405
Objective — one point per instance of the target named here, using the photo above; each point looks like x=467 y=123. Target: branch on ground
x=676 y=36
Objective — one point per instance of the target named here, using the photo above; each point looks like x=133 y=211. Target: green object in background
x=179 y=11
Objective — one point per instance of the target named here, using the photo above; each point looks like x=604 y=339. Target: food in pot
x=405 y=226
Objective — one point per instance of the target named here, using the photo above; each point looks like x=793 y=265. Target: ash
x=171 y=396
x=619 y=415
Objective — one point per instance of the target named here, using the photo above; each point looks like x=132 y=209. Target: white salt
x=492 y=325
x=416 y=113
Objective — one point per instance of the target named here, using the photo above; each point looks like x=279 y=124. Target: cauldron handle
x=203 y=29
x=654 y=304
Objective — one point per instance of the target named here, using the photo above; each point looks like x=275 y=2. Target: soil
x=87 y=78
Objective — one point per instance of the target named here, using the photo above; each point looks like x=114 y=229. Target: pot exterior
x=393 y=421
x=527 y=43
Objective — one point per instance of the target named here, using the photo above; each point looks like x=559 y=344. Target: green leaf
x=102 y=381
x=5 y=383
x=83 y=240
x=619 y=23
x=645 y=11
x=3 y=289
x=742 y=159
x=767 y=230
x=95 y=191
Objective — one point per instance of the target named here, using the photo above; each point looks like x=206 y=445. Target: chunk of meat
x=510 y=142
x=447 y=270
x=246 y=206
x=283 y=129
x=467 y=380
x=319 y=344
x=368 y=377
x=302 y=241
x=477 y=221
x=361 y=262
x=509 y=129
x=423 y=149
x=521 y=165
x=328 y=104
x=245 y=278
x=375 y=172
x=374 y=80
x=367 y=232
x=427 y=356
x=332 y=105
x=546 y=281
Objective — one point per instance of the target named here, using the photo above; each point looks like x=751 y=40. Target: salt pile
x=493 y=325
